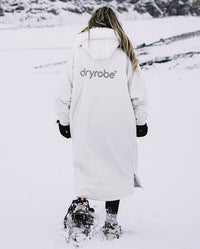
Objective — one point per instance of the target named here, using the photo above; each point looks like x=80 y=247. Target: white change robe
x=102 y=101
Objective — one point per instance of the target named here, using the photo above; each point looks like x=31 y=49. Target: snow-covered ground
x=36 y=174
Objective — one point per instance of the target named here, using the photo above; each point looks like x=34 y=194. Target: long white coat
x=102 y=101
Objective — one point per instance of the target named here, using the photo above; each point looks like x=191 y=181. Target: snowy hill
x=56 y=12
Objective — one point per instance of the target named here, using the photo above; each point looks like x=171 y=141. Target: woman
x=102 y=106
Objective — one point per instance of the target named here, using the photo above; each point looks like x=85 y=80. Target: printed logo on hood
x=100 y=74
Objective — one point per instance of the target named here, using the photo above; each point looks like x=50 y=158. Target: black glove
x=141 y=130
x=64 y=130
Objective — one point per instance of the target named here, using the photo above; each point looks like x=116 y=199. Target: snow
x=36 y=173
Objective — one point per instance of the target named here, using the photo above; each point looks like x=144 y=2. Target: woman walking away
x=102 y=106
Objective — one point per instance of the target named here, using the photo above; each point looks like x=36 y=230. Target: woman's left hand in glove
x=64 y=130
x=141 y=130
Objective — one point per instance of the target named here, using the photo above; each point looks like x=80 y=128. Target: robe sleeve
x=64 y=93
x=138 y=93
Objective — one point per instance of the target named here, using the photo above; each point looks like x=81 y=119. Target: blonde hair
x=106 y=17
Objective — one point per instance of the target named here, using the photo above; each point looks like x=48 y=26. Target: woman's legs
x=112 y=206
x=111 y=211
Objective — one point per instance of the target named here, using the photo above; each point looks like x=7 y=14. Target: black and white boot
x=111 y=228
x=78 y=220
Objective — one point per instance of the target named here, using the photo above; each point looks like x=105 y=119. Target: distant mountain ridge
x=48 y=9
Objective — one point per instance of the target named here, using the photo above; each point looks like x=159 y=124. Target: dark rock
x=35 y=10
x=185 y=9
x=1 y=12
x=87 y=9
x=134 y=1
x=195 y=8
x=9 y=10
x=162 y=59
x=20 y=8
x=74 y=10
x=14 y=4
x=150 y=62
x=53 y=11
x=153 y=9
x=162 y=5
x=140 y=8
x=120 y=1
x=173 y=12
x=121 y=9
x=65 y=1
x=173 y=8
x=177 y=7
x=141 y=45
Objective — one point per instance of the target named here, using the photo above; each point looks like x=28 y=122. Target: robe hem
x=106 y=193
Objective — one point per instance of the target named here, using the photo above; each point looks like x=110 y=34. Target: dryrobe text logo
x=100 y=74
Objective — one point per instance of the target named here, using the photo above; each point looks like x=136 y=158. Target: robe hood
x=103 y=42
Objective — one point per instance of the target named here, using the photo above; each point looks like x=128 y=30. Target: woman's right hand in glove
x=141 y=130
x=64 y=130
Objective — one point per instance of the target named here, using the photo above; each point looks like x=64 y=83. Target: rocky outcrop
x=147 y=59
x=169 y=58
x=159 y=8
x=164 y=41
x=155 y=8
